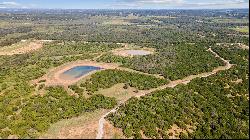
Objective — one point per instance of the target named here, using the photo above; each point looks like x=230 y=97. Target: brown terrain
x=23 y=47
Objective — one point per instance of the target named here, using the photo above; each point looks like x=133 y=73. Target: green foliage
x=204 y=103
x=41 y=81
x=38 y=112
x=27 y=115
x=41 y=86
x=77 y=48
x=108 y=78
x=173 y=62
x=76 y=89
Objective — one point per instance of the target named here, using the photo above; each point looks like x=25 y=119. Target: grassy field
x=82 y=127
x=243 y=29
x=230 y=20
x=118 y=92
x=15 y=46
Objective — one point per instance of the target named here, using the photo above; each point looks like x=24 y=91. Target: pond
x=78 y=71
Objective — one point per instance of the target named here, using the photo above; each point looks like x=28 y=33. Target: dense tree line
x=216 y=106
x=172 y=61
x=21 y=29
x=108 y=78
x=148 y=26
x=27 y=115
x=37 y=113
x=215 y=111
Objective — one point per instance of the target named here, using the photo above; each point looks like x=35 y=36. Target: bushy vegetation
x=29 y=117
x=173 y=62
x=76 y=89
x=158 y=27
x=77 y=48
x=108 y=78
x=216 y=106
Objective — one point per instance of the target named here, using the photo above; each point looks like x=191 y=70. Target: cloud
x=11 y=4
x=224 y=3
x=180 y=3
x=141 y=3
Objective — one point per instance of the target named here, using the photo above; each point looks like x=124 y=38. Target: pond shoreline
x=53 y=77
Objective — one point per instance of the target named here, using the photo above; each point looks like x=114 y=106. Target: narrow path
x=172 y=84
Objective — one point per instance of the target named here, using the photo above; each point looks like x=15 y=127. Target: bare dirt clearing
x=112 y=132
x=117 y=22
x=53 y=76
x=175 y=131
x=22 y=47
x=82 y=127
x=130 y=51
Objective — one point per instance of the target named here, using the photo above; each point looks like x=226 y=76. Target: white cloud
x=217 y=3
x=182 y=3
x=11 y=4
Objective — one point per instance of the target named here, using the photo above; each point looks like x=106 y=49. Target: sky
x=124 y=4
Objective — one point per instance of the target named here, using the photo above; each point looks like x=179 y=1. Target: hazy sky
x=125 y=4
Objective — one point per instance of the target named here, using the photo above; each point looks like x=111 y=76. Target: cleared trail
x=172 y=84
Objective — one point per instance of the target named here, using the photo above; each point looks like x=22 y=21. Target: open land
x=192 y=84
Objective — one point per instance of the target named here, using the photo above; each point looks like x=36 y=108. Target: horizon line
x=121 y=8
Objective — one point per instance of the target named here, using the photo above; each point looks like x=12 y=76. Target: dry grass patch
x=24 y=46
x=117 y=22
x=119 y=92
x=175 y=131
x=243 y=29
x=128 y=47
x=112 y=132
x=82 y=127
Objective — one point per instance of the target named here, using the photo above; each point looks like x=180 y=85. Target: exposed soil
x=112 y=132
x=175 y=131
x=53 y=76
x=124 y=51
x=82 y=127
x=24 y=48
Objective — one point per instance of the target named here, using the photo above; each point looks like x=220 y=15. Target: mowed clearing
x=25 y=46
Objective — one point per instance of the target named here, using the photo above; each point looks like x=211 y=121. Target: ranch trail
x=172 y=84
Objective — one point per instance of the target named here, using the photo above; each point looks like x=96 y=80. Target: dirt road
x=172 y=84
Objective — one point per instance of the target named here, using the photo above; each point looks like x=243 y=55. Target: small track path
x=172 y=84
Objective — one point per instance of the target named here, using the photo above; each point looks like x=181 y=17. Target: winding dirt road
x=172 y=84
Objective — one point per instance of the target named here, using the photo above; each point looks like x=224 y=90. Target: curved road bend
x=172 y=84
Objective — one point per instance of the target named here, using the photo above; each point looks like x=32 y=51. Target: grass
x=63 y=128
x=229 y=20
x=15 y=46
x=117 y=22
x=118 y=92
x=243 y=29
